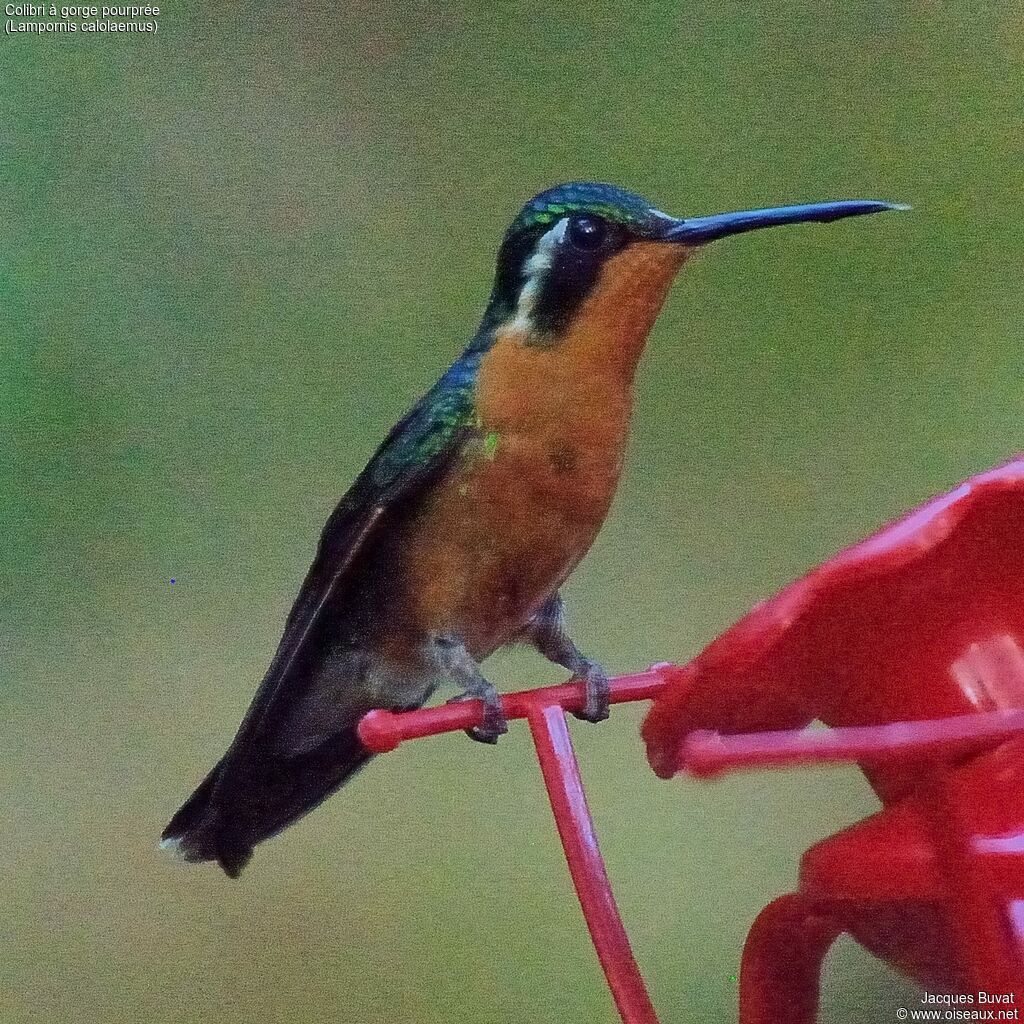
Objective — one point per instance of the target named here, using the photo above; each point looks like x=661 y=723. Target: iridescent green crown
x=614 y=204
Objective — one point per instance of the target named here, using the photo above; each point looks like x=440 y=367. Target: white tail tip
x=172 y=845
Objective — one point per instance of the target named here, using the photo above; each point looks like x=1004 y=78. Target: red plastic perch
x=544 y=709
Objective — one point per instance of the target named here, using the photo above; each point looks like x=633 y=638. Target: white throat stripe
x=536 y=267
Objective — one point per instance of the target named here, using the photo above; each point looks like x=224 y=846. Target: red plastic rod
x=382 y=731
x=705 y=754
x=545 y=709
x=576 y=829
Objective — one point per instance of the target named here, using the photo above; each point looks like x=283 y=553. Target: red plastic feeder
x=912 y=642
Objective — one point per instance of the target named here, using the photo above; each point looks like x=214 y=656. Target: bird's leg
x=460 y=666
x=547 y=633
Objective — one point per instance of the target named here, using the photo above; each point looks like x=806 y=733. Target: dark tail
x=239 y=805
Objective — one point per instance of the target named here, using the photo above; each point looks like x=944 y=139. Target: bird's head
x=587 y=258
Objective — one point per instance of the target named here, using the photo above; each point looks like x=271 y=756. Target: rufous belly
x=509 y=522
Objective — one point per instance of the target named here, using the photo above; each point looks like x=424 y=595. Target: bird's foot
x=459 y=665
x=597 y=705
x=494 y=722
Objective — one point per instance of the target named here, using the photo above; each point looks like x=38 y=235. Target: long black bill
x=698 y=230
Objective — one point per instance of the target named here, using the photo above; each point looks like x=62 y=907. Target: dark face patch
x=602 y=220
x=587 y=243
x=513 y=255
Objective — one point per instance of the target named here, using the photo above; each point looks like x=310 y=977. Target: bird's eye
x=587 y=232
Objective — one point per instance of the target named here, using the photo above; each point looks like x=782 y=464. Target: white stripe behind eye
x=536 y=267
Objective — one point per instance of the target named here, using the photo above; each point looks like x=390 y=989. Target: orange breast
x=513 y=518
x=521 y=507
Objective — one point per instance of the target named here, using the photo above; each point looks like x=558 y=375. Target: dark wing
x=412 y=455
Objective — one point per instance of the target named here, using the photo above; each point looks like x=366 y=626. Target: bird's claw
x=597 y=705
x=494 y=722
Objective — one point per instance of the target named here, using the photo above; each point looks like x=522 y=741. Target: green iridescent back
x=431 y=427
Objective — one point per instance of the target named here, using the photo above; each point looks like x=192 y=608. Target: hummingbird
x=455 y=539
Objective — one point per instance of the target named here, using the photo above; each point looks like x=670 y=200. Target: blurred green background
x=234 y=252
